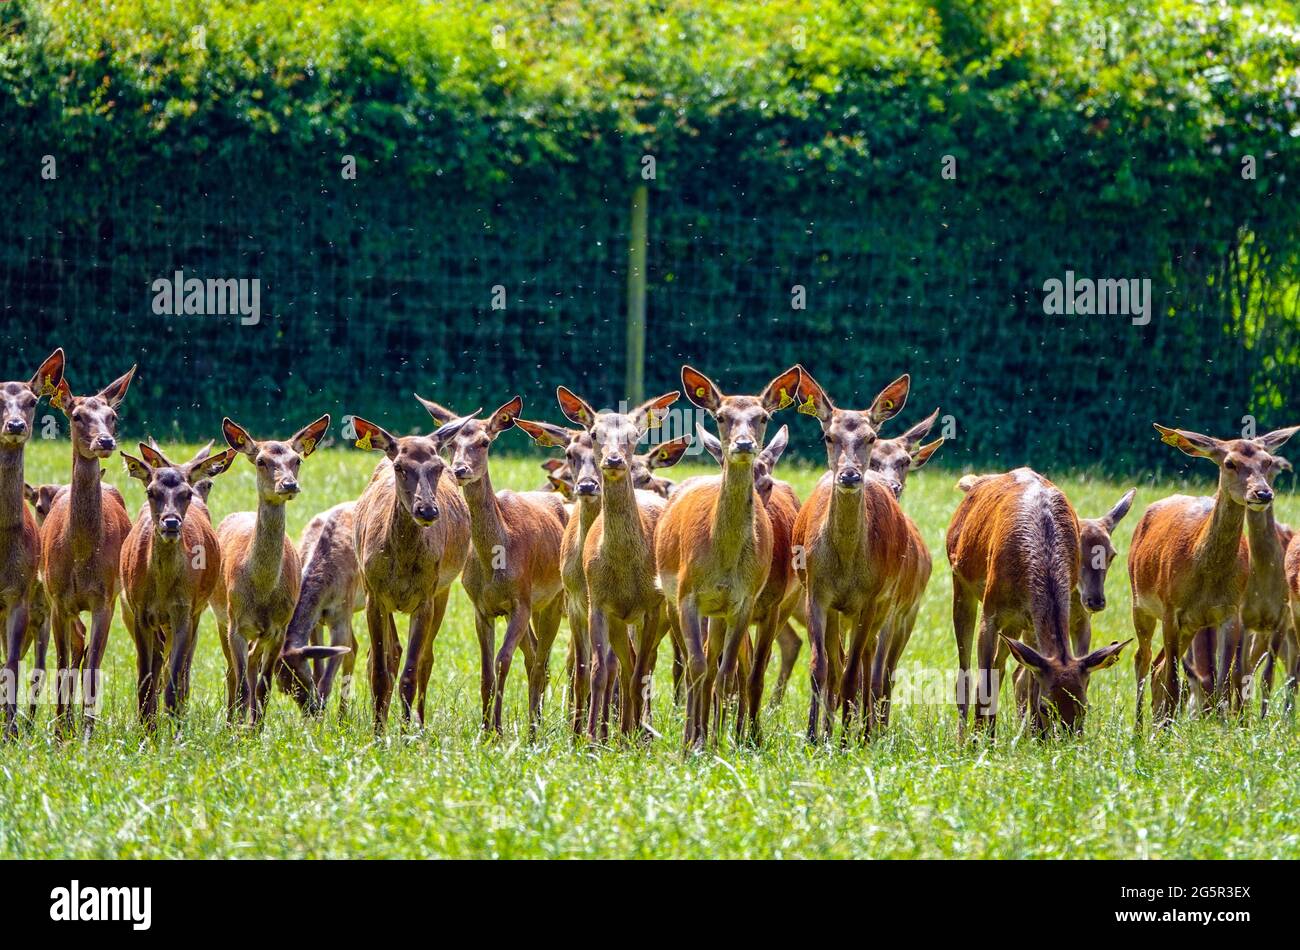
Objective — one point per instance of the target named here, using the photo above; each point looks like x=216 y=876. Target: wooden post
x=634 y=383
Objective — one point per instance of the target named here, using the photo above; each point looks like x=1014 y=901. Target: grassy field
x=329 y=789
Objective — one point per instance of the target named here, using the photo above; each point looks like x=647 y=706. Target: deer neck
x=486 y=530
x=167 y=560
x=587 y=512
x=734 y=512
x=845 y=520
x=622 y=526
x=85 y=507
x=11 y=488
x=1222 y=533
x=1261 y=534
x=267 y=557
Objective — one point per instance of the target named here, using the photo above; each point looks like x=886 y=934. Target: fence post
x=634 y=382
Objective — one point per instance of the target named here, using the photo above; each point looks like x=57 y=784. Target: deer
x=412 y=539
x=1189 y=562
x=713 y=548
x=169 y=566
x=618 y=557
x=41 y=498
x=1289 y=649
x=861 y=560
x=259 y=581
x=20 y=547
x=514 y=567
x=81 y=546
x=779 y=596
x=329 y=594
x=560 y=475
x=1013 y=544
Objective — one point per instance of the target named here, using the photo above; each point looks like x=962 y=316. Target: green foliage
x=796 y=142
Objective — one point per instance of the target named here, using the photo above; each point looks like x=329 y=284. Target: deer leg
x=789 y=644
x=546 y=627
x=39 y=659
x=100 y=619
x=485 y=630
x=516 y=630
x=692 y=629
x=989 y=683
x=64 y=673
x=725 y=637
x=349 y=665
x=1144 y=626
x=426 y=658
x=340 y=636
x=1165 y=694
x=965 y=610
x=681 y=659
x=177 y=653
x=239 y=675
x=580 y=655
x=15 y=633
x=620 y=644
x=766 y=633
x=381 y=680
x=649 y=633
x=143 y=673
x=851 y=693
x=417 y=642
x=818 y=671
x=602 y=661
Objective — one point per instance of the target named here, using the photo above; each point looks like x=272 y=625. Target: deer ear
x=1105 y=656
x=1277 y=438
x=922 y=455
x=371 y=436
x=700 y=389
x=47 y=378
x=448 y=430
x=551 y=466
x=1193 y=443
x=209 y=467
x=575 y=408
x=891 y=400
x=1026 y=655
x=648 y=414
x=153 y=456
x=29 y=493
x=668 y=453
x=237 y=437
x=1282 y=464
x=115 y=392
x=560 y=486
x=136 y=468
x=62 y=397
x=711 y=443
x=775 y=447
x=913 y=436
x=780 y=391
x=1116 y=514
x=441 y=414
x=306 y=439
x=546 y=435
x=813 y=400
x=505 y=416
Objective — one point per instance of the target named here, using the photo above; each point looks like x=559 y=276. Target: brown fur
x=81 y=547
x=408 y=567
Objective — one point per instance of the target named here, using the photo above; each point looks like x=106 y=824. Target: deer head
x=892 y=459
x=742 y=420
x=1060 y=693
x=473 y=440
x=615 y=435
x=1096 y=552
x=417 y=465
x=1247 y=467
x=577 y=472
x=18 y=400
x=94 y=418
x=170 y=488
x=850 y=435
x=277 y=463
x=763 y=465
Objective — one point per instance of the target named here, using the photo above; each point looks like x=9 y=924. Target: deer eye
x=1229 y=464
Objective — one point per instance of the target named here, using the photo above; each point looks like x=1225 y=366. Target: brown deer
x=856 y=557
x=41 y=498
x=1190 y=562
x=618 y=557
x=20 y=548
x=1013 y=544
x=713 y=547
x=1289 y=649
x=258 y=584
x=514 y=570
x=412 y=538
x=169 y=566
x=81 y=547
x=559 y=476
x=892 y=459
x=329 y=595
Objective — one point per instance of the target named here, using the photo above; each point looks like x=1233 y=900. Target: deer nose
x=289 y=486
x=1262 y=495
x=15 y=426
x=587 y=486
x=744 y=445
x=850 y=477
x=613 y=460
x=105 y=443
x=896 y=487
x=170 y=525
x=426 y=513
x=1094 y=603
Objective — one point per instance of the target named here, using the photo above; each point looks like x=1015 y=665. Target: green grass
x=329 y=789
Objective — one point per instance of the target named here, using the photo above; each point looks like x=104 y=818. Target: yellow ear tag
x=785 y=399
x=700 y=391
x=364 y=441
x=1170 y=438
x=308 y=445
x=55 y=394
x=652 y=421
x=808 y=407
x=663 y=455
x=887 y=404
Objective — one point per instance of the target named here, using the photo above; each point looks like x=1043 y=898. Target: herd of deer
x=629 y=557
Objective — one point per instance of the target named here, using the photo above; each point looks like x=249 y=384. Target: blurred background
x=473 y=199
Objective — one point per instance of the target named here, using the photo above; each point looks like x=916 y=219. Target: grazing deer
x=713 y=547
x=779 y=596
x=258 y=584
x=860 y=557
x=1189 y=563
x=20 y=548
x=41 y=498
x=169 y=566
x=81 y=547
x=329 y=595
x=412 y=538
x=618 y=557
x=514 y=571
x=1013 y=544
